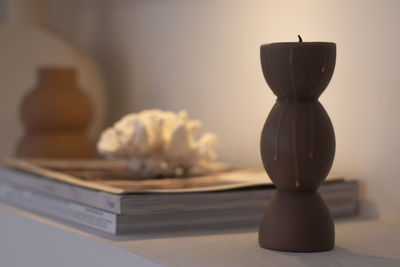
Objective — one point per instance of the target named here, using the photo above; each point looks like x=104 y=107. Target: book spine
x=101 y=200
x=339 y=195
x=57 y=207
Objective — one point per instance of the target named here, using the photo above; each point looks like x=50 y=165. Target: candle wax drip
x=274 y=75
x=311 y=152
x=294 y=119
x=291 y=60
x=323 y=69
x=294 y=146
x=282 y=113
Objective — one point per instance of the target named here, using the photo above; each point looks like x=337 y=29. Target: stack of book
x=104 y=195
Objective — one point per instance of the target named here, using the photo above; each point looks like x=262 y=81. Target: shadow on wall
x=111 y=61
x=367 y=208
x=93 y=29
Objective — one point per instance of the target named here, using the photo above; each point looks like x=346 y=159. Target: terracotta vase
x=297 y=146
x=55 y=115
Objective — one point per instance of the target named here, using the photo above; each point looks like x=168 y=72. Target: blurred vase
x=26 y=45
x=55 y=115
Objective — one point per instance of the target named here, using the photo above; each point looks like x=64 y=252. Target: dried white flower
x=158 y=142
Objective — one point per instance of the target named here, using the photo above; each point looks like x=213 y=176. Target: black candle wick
x=300 y=39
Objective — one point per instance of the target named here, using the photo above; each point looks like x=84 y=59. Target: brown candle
x=297 y=145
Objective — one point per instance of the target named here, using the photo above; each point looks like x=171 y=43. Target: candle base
x=297 y=221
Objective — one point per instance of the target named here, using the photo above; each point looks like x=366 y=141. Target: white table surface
x=30 y=240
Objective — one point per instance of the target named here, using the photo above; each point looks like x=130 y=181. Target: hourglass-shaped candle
x=297 y=146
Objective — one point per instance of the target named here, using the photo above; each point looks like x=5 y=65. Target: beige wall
x=203 y=56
